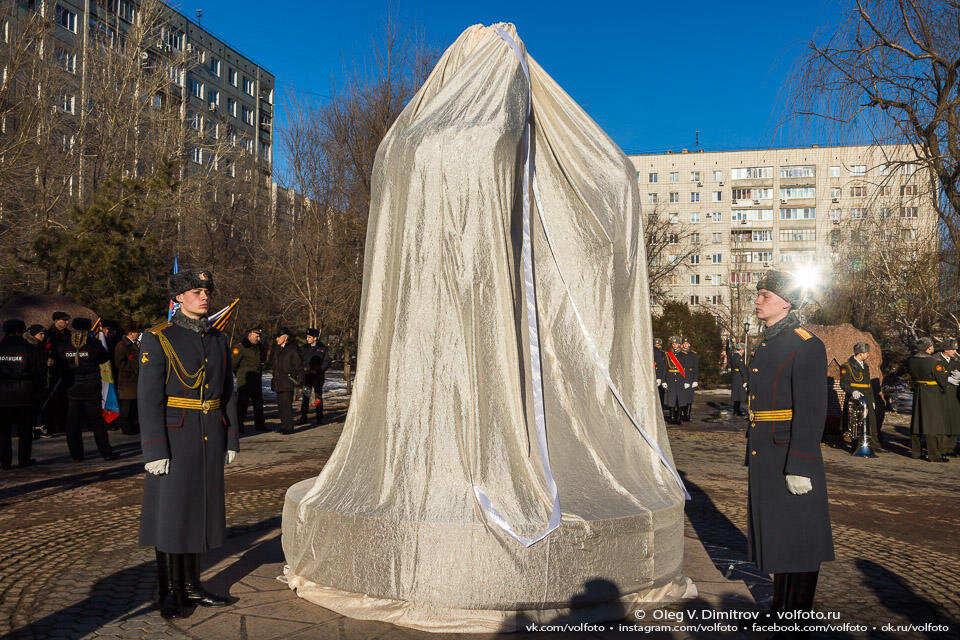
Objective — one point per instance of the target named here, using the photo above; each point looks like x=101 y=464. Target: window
x=761 y=235
x=694 y=238
x=673 y=238
x=856 y=213
x=694 y=278
x=694 y=258
x=886 y=190
x=908 y=234
x=798 y=171
x=248 y=144
x=718 y=176
x=797 y=257
x=66 y=19
x=124 y=8
x=247 y=114
x=213 y=97
x=694 y=217
x=835 y=192
x=717 y=216
x=791 y=193
x=5 y=31
x=908 y=190
x=694 y=299
x=66 y=59
x=652 y=177
x=886 y=168
x=674 y=259
x=196 y=88
x=909 y=169
x=232 y=107
x=174 y=38
x=674 y=196
x=763 y=193
x=908 y=212
x=694 y=176
x=718 y=278
x=834 y=172
x=717 y=196
x=718 y=236
x=652 y=198
x=214 y=66
x=744 y=173
x=834 y=214
x=716 y=258
x=798 y=235
x=858 y=192
x=66 y=102
x=232 y=76
x=743 y=215
x=694 y=196
x=740 y=277
x=193 y=119
x=673 y=218
x=804 y=213
x=674 y=176
x=884 y=212
x=176 y=76
x=196 y=155
x=762 y=256
x=66 y=143
x=858 y=170
x=716 y=299
x=248 y=86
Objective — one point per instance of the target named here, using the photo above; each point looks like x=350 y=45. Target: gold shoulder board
x=158 y=328
x=803 y=333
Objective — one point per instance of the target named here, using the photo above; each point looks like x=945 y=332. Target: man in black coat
x=316 y=360
x=856 y=385
x=738 y=378
x=929 y=417
x=21 y=368
x=287 y=367
x=947 y=356
x=79 y=359
x=674 y=375
x=691 y=364
x=55 y=411
x=789 y=532
x=248 y=360
x=188 y=431
x=659 y=365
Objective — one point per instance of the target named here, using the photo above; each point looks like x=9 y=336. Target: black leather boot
x=193 y=589
x=685 y=413
x=779 y=591
x=170 y=589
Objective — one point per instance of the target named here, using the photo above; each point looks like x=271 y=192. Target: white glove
x=658 y=382
x=694 y=384
x=686 y=385
x=664 y=385
x=856 y=395
x=799 y=485
x=158 y=467
x=229 y=457
x=954 y=378
x=744 y=386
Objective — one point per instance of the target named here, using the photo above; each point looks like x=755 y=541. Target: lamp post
x=746 y=339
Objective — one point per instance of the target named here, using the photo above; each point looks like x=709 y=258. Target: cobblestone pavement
x=70 y=566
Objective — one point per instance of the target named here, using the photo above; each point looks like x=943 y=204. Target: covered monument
x=505 y=311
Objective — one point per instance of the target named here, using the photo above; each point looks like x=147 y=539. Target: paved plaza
x=70 y=566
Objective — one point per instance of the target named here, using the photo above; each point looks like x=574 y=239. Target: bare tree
x=669 y=246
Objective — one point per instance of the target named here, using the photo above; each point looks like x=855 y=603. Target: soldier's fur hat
x=189 y=279
x=14 y=325
x=675 y=340
x=313 y=332
x=658 y=341
x=282 y=331
x=81 y=324
x=782 y=284
x=924 y=343
x=60 y=315
x=34 y=329
x=861 y=347
x=684 y=339
x=947 y=344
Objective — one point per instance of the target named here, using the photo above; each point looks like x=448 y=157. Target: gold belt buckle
x=205 y=405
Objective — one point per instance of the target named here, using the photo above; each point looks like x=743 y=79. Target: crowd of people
x=51 y=383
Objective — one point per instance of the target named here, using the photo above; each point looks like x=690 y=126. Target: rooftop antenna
x=199 y=15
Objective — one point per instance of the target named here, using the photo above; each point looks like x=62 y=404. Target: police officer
x=21 y=368
x=930 y=384
x=738 y=378
x=856 y=385
x=673 y=381
x=788 y=522
x=690 y=360
x=947 y=356
x=188 y=431
x=248 y=359
x=659 y=365
x=316 y=359
x=287 y=370
x=79 y=359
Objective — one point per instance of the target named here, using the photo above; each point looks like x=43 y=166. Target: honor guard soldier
x=855 y=382
x=947 y=356
x=188 y=430
x=659 y=365
x=788 y=522
x=691 y=364
x=21 y=370
x=738 y=378
x=248 y=360
x=930 y=384
x=673 y=379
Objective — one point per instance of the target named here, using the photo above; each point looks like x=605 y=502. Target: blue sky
x=650 y=75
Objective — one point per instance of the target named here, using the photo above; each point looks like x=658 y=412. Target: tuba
x=858 y=429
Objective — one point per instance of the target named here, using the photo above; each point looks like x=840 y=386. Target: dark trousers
x=128 y=421
x=247 y=396
x=86 y=412
x=934 y=451
x=21 y=419
x=285 y=405
x=55 y=413
x=305 y=403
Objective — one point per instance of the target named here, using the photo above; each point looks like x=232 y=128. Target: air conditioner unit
x=721 y=183
x=756 y=202
x=743 y=222
x=782 y=201
x=733 y=202
x=699 y=184
x=836 y=199
x=189 y=48
x=212 y=106
x=766 y=265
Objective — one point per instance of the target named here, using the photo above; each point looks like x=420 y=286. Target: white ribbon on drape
x=530 y=179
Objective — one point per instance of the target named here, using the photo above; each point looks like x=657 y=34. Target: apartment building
x=739 y=213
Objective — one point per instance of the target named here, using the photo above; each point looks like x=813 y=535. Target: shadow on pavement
x=900 y=598
x=75 y=480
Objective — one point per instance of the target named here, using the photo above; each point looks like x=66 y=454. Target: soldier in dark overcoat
x=690 y=360
x=21 y=370
x=738 y=378
x=947 y=356
x=929 y=418
x=248 y=360
x=789 y=530
x=856 y=385
x=188 y=430
x=659 y=365
x=674 y=375
x=287 y=368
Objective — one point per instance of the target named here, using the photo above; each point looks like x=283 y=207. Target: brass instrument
x=858 y=428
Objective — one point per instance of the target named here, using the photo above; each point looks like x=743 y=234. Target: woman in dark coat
x=126 y=360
